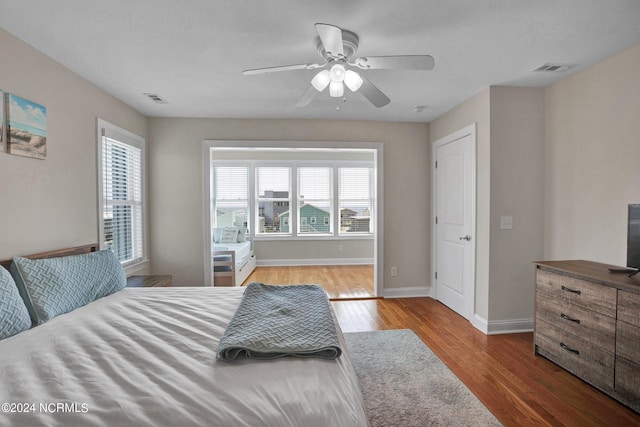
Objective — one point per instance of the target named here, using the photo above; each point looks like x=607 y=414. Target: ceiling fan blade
x=373 y=94
x=331 y=37
x=407 y=62
x=306 y=98
x=282 y=68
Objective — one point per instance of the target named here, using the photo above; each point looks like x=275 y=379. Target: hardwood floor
x=519 y=388
x=338 y=281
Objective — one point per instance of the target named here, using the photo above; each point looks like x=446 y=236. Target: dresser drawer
x=629 y=307
x=628 y=381
x=597 y=328
x=576 y=354
x=592 y=296
x=628 y=342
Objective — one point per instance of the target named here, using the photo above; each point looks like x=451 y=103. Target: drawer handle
x=566 y=347
x=573 y=291
x=570 y=319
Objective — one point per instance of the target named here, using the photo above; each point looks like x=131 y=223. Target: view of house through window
x=355 y=199
x=315 y=201
x=273 y=198
x=313 y=212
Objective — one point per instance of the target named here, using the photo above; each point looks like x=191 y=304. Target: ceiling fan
x=338 y=47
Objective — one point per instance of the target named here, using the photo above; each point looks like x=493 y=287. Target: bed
x=232 y=263
x=147 y=356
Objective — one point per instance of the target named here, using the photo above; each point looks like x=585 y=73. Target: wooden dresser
x=587 y=320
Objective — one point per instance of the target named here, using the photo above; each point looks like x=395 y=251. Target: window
x=273 y=199
x=121 y=188
x=230 y=196
x=355 y=200
x=315 y=200
x=298 y=194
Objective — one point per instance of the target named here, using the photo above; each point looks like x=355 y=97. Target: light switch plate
x=506 y=222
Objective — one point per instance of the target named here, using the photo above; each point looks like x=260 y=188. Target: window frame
x=373 y=220
x=309 y=164
x=255 y=165
x=123 y=136
x=212 y=201
x=294 y=207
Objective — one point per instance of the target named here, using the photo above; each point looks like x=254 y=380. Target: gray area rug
x=404 y=384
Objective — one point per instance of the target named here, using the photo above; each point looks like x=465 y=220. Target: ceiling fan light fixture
x=353 y=80
x=337 y=73
x=321 y=80
x=338 y=47
x=336 y=89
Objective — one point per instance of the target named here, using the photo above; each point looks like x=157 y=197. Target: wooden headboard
x=78 y=250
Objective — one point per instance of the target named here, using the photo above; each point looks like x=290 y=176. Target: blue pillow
x=14 y=317
x=53 y=286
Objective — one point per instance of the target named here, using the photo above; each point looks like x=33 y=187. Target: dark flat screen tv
x=633 y=237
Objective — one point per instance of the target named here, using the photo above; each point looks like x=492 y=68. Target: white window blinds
x=122 y=208
x=315 y=204
x=293 y=198
x=273 y=199
x=231 y=196
x=356 y=200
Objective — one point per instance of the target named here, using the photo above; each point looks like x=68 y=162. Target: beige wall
x=592 y=160
x=510 y=168
x=177 y=194
x=475 y=110
x=52 y=204
x=517 y=185
x=322 y=251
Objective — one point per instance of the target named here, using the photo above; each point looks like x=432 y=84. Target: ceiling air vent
x=156 y=98
x=558 y=68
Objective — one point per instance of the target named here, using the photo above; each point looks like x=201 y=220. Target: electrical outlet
x=340 y=247
x=506 y=222
x=394 y=271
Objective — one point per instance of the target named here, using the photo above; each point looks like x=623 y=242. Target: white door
x=455 y=227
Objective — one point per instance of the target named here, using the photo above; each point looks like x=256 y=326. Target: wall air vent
x=557 y=68
x=156 y=98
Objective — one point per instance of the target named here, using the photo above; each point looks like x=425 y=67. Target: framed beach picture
x=26 y=124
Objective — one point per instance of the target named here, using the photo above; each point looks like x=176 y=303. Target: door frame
x=469 y=130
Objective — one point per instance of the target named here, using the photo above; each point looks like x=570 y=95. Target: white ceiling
x=193 y=52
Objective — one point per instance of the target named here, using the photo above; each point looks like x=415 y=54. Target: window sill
x=134 y=268
x=307 y=238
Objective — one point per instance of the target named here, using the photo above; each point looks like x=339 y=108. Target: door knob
x=467 y=238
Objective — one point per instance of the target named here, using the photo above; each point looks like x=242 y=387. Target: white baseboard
x=495 y=327
x=408 y=292
x=319 y=261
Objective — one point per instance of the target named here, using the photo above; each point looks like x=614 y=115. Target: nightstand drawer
x=579 y=292
x=597 y=328
x=150 y=281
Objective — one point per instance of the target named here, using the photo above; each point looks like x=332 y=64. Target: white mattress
x=242 y=250
x=146 y=356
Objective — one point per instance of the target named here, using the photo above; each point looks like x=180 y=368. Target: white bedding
x=242 y=250
x=146 y=356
